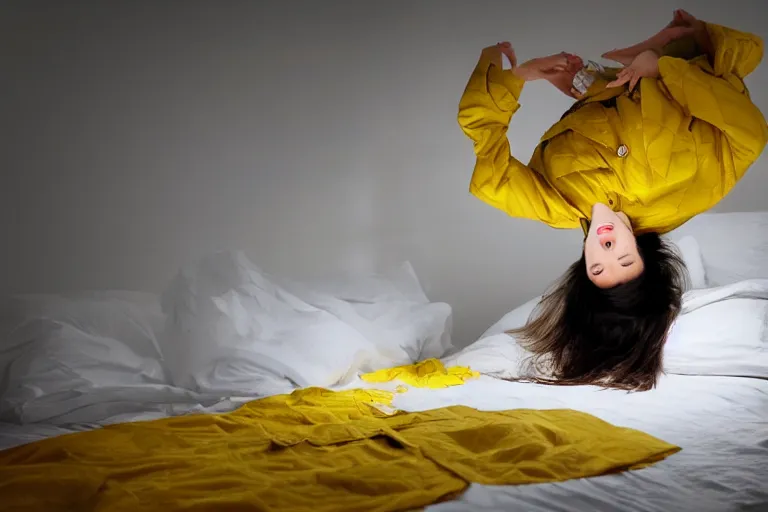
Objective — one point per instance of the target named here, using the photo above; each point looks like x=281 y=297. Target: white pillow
x=691 y=255
x=70 y=356
x=497 y=355
x=733 y=246
x=134 y=318
x=230 y=327
x=48 y=365
x=722 y=331
x=389 y=308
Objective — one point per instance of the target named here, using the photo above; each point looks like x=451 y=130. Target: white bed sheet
x=720 y=422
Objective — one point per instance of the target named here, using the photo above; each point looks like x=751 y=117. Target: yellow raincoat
x=315 y=450
x=662 y=154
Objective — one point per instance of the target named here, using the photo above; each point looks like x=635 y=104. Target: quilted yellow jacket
x=662 y=154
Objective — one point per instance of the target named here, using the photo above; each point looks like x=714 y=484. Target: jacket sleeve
x=717 y=95
x=735 y=53
x=500 y=180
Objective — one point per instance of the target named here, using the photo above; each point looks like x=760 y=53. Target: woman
x=642 y=151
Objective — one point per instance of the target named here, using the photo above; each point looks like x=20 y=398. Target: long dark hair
x=614 y=338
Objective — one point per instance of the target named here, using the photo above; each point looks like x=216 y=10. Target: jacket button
x=622 y=151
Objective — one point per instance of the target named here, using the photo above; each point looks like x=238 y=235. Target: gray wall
x=316 y=136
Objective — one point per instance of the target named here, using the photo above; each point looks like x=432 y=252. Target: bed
x=81 y=361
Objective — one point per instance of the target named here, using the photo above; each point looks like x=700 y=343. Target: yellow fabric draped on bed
x=313 y=450
x=429 y=373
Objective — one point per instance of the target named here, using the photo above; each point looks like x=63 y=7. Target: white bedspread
x=720 y=422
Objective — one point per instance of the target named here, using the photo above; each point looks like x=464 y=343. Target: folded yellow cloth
x=430 y=373
x=313 y=450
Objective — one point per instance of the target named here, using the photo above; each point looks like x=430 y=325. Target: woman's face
x=610 y=249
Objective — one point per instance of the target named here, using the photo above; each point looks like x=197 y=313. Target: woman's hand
x=550 y=67
x=558 y=69
x=645 y=65
x=541 y=68
x=506 y=49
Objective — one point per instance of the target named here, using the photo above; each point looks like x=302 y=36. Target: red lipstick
x=607 y=228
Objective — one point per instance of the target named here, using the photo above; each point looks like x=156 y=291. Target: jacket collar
x=584 y=226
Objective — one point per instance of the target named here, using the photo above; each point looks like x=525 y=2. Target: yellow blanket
x=313 y=450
